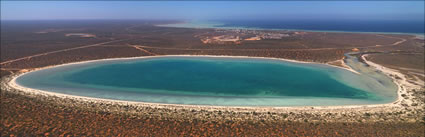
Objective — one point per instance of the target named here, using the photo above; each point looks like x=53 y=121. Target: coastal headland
x=55 y=114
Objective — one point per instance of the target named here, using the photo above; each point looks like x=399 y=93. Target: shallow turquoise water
x=213 y=81
x=415 y=28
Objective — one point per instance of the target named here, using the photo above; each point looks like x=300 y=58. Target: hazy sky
x=196 y=10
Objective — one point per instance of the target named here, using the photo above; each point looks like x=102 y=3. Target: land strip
x=33 y=114
x=57 y=51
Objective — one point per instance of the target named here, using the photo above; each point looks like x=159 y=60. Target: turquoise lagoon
x=222 y=81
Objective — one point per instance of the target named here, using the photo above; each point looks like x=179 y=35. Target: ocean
x=388 y=26
x=415 y=27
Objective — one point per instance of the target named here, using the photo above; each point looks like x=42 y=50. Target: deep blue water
x=390 y=26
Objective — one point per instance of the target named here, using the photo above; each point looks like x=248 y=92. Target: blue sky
x=209 y=10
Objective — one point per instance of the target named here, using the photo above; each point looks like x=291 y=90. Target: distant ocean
x=387 y=26
x=363 y=26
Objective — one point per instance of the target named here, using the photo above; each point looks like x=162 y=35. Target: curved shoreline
x=396 y=103
x=175 y=25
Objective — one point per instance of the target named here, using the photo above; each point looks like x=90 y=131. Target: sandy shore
x=403 y=85
x=406 y=104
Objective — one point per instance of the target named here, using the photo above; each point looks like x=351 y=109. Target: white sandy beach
x=403 y=85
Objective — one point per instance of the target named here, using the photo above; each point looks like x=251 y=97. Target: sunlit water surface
x=220 y=81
